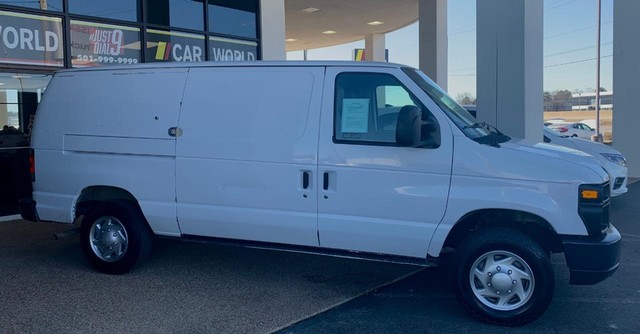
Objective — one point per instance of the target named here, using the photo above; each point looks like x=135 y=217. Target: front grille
x=618 y=183
x=595 y=212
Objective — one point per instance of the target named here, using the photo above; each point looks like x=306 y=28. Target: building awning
x=314 y=24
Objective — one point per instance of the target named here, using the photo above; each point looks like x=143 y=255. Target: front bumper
x=592 y=260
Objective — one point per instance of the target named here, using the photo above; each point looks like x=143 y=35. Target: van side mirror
x=413 y=131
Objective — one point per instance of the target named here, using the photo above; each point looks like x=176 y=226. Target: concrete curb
x=9 y=218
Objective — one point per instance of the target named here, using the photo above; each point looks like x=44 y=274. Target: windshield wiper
x=495 y=134
x=485 y=125
x=475 y=125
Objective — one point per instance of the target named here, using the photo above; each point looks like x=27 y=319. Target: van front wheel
x=503 y=276
x=114 y=237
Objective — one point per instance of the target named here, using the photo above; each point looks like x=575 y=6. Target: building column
x=433 y=40
x=510 y=66
x=4 y=110
x=272 y=30
x=626 y=80
x=374 y=47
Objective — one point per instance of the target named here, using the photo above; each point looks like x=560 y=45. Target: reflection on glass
x=173 y=46
x=112 y=9
x=227 y=49
x=29 y=39
x=187 y=14
x=20 y=94
x=98 y=44
x=52 y=5
x=230 y=21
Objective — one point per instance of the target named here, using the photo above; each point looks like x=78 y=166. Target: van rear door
x=109 y=128
x=246 y=159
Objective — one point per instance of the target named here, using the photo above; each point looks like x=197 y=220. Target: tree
x=548 y=101
x=561 y=100
x=466 y=99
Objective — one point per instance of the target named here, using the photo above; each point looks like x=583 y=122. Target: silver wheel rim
x=502 y=280
x=108 y=239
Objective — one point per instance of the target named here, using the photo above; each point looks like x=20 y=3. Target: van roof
x=239 y=64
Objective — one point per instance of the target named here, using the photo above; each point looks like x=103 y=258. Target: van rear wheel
x=114 y=237
x=503 y=276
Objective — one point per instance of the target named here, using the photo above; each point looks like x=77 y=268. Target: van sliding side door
x=247 y=157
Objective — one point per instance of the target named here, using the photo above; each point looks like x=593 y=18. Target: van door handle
x=325 y=181
x=175 y=131
x=305 y=180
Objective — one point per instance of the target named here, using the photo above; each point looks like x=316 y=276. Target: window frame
x=146 y=4
x=210 y=30
x=136 y=19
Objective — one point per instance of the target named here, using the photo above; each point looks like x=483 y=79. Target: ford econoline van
x=365 y=160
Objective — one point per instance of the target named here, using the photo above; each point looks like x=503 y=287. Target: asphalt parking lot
x=425 y=302
x=46 y=286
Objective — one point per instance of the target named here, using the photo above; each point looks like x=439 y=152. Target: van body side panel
x=380 y=199
x=485 y=177
x=109 y=128
x=135 y=103
x=145 y=177
x=249 y=137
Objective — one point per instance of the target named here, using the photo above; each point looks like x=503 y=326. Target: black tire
x=123 y=222
x=574 y=136
x=475 y=289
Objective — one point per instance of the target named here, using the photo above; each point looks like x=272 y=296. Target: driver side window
x=367 y=106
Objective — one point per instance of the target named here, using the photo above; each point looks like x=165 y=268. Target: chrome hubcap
x=108 y=239
x=502 y=280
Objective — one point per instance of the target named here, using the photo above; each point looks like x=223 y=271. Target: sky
x=569 y=46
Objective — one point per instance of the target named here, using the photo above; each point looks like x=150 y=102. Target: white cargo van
x=366 y=160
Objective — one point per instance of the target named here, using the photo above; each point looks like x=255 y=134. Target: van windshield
x=459 y=115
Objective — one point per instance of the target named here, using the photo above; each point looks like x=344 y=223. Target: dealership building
x=40 y=37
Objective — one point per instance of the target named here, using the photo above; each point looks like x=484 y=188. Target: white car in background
x=576 y=129
x=590 y=122
x=554 y=121
x=611 y=159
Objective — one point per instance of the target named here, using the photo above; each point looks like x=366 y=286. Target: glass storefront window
x=231 y=21
x=52 y=5
x=188 y=14
x=113 y=9
x=227 y=49
x=174 y=46
x=20 y=94
x=28 y=39
x=98 y=44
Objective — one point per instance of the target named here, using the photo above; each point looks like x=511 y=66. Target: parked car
x=590 y=122
x=576 y=129
x=611 y=159
x=350 y=159
x=554 y=121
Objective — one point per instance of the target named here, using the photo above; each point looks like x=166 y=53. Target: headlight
x=615 y=158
